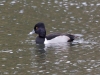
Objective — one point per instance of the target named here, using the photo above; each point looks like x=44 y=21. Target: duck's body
x=42 y=38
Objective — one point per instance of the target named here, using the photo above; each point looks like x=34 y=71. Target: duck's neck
x=40 y=40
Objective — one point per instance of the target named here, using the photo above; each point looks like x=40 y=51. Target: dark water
x=19 y=55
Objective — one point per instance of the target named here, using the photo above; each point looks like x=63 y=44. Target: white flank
x=59 y=39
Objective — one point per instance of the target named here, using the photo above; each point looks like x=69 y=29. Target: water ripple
x=7 y=51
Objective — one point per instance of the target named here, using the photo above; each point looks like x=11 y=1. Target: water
x=19 y=55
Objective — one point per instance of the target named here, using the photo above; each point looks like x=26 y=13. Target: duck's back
x=52 y=36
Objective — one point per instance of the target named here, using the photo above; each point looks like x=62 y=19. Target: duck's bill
x=32 y=32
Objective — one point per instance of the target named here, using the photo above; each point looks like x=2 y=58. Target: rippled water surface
x=19 y=55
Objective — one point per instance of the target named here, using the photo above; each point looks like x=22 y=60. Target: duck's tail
x=77 y=35
x=73 y=37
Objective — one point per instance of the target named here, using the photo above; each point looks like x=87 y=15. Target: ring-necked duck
x=42 y=38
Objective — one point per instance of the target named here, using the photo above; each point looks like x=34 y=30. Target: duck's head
x=39 y=29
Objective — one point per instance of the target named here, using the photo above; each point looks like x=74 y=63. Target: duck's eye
x=36 y=28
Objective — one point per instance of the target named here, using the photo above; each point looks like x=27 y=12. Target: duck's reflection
x=38 y=58
x=45 y=57
x=40 y=48
x=40 y=51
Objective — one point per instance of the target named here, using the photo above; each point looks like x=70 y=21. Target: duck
x=42 y=38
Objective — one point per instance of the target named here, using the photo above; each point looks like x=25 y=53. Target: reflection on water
x=19 y=55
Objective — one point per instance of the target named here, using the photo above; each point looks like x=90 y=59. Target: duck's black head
x=39 y=29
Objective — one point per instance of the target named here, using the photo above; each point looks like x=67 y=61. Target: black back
x=52 y=35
